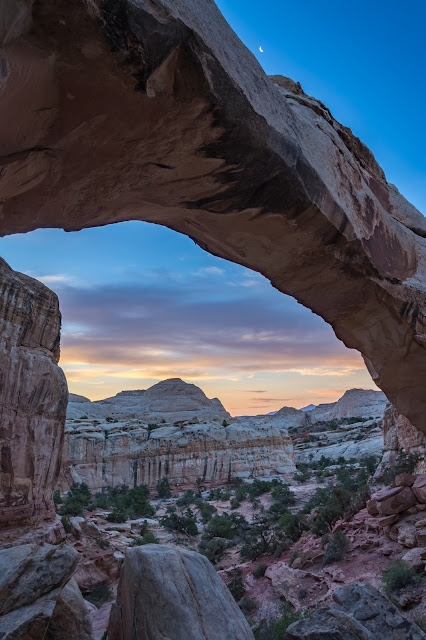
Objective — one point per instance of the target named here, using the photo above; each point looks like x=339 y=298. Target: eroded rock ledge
x=154 y=110
x=33 y=399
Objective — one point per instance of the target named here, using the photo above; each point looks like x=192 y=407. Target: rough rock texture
x=109 y=454
x=362 y=403
x=360 y=612
x=399 y=433
x=166 y=592
x=154 y=110
x=33 y=397
x=71 y=618
x=170 y=400
x=32 y=583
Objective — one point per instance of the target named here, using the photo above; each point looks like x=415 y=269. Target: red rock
x=421 y=537
x=396 y=501
x=388 y=520
x=405 y=480
x=419 y=488
x=372 y=507
x=384 y=494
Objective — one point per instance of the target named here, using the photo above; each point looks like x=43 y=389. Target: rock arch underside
x=154 y=110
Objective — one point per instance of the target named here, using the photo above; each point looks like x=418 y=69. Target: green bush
x=99 y=595
x=184 y=522
x=225 y=424
x=336 y=548
x=292 y=525
x=235 y=583
x=226 y=526
x=404 y=463
x=247 y=605
x=301 y=476
x=275 y=629
x=147 y=538
x=213 y=548
x=103 y=543
x=57 y=497
x=259 y=570
x=66 y=524
x=163 y=488
x=118 y=515
x=187 y=499
x=78 y=498
x=206 y=511
x=397 y=576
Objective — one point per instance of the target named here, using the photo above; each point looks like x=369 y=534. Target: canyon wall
x=108 y=454
x=154 y=110
x=33 y=399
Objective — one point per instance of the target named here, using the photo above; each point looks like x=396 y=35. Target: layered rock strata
x=33 y=399
x=399 y=434
x=110 y=454
x=115 y=110
x=167 y=592
x=168 y=401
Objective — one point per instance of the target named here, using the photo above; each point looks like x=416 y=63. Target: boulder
x=386 y=521
x=31 y=580
x=416 y=557
x=359 y=612
x=407 y=536
x=419 y=488
x=405 y=480
x=70 y=618
x=372 y=507
x=168 y=592
x=396 y=502
x=421 y=537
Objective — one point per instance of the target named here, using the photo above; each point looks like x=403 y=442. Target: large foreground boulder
x=167 y=592
x=360 y=612
x=38 y=598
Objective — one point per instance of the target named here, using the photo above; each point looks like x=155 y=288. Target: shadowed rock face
x=167 y=592
x=154 y=110
x=33 y=398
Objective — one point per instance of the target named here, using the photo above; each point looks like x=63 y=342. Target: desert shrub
x=163 y=488
x=275 y=629
x=370 y=463
x=336 y=549
x=147 y=538
x=397 y=576
x=227 y=526
x=57 y=497
x=301 y=476
x=282 y=498
x=118 y=515
x=99 y=595
x=78 y=498
x=184 y=522
x=404 y=463
x=225 y=424
x=206 y=511
x=132 y=502
x=292 y=525
x=302 y=593
x=219 y=494
x=103 y=543
x=66 y=524
x=256 y=542
x=187 y=499
x=235 y=583
x=212 y=548
x=259 y=570
x=235 y=503
x=247 y=605
x=293 y=557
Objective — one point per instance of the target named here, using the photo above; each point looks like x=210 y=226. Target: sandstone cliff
x=109 y=454
x=33 y=399
x=167 y=401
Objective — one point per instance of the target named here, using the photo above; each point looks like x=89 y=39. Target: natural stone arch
x=154 y=110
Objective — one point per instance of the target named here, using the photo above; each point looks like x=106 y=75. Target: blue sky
x=142 y=303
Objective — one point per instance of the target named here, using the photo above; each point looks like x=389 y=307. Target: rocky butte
x=154 y=110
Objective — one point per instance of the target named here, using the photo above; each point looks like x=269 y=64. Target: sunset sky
x=141 y=303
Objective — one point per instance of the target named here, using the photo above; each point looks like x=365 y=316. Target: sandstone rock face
x=252 y=168
x=170 y=401
x=360 y=612
x=419 y=488
x=33 y=399
x=363 y=403
x=34 y=594
x=109 y=454
x=167 y=592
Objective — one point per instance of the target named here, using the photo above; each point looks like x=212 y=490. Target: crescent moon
x=260 y=49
